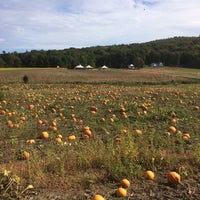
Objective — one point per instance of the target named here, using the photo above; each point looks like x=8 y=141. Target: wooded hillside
x=177 y=51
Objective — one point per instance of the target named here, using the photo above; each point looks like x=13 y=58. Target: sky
x=60 y=24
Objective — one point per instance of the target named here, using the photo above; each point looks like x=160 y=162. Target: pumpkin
x=122 y=109
x=58 y=139
x=31 y=141
x=93 y=108
x=31 y=106
x=172 y=129
x=117 y=139
x=150 y=175
x=22 y=118
x=54 y=128
x=53 y=123
x=44 y=135
x=125 y=183
x=97 y=197
x=71 y=137
x=173 y=178
x=26 y=155
x=138 y=132
x=196 y=107
x=173 y=121
x=59 y=136
x=123 y=131
x=186 y=136
x=121 y=192
x=173 y=114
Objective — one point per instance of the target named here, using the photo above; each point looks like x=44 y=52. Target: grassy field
x=71 y=134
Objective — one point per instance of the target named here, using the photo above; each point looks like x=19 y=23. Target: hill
x=177 y=51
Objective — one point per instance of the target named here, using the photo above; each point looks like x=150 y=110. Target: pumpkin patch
x=92 y=135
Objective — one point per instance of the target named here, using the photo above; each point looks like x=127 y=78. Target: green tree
x=139 y=62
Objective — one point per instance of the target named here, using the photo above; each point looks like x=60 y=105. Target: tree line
x=177 y=51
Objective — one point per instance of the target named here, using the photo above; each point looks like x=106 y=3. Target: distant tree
x=139 y=62
x=2 y=63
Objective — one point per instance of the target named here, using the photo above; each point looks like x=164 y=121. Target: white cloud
x=58 y=24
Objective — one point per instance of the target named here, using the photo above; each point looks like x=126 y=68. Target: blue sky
x=60 y=24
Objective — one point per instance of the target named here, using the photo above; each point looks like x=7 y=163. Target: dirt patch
x=140 y=190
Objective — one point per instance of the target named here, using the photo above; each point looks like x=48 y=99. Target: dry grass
x=161 y=75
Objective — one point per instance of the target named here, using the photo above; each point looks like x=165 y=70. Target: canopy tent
x=79 y=67
x=104 y=67
x=89 y=67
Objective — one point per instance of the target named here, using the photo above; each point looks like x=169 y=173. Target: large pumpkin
x=173 y=178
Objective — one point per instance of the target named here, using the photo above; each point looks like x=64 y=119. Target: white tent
x=79 y=67
x=89 y=67
x=104 y=67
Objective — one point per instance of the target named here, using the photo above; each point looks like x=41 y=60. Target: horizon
x=29 y=50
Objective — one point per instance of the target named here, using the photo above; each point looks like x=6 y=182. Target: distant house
x=131 y=66
x=153 y=65
x=160 y=64
x=79 y=67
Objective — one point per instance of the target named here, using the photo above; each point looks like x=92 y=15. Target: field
x=71 y=134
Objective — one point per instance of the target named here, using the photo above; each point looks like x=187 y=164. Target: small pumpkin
x=26 y=155
x=121 y=192
x=186 y=136
x=125 y=183
x=44 y=135
x=138 y=132
x=150 y=175
x=31 y=141
x=98 y=197
x=172 y=129
x=31 y=107
x=71 y=137
x=173 y=178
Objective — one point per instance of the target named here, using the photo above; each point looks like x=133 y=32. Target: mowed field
x=72 y=134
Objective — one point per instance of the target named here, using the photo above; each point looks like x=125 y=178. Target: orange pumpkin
x=31 y=106
x=125 y=183
x=26 y=155
x=93 y=108
x=44 y=135
x=172 y=129
x=121 y=192
x=123 y=131
x=138 y=132
x=150 y=175
x=97 y=197
x=58 y=139
x=196 y=107
x=31 y=141
x=71 y=137
x=173 y=178
x=186 y=136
